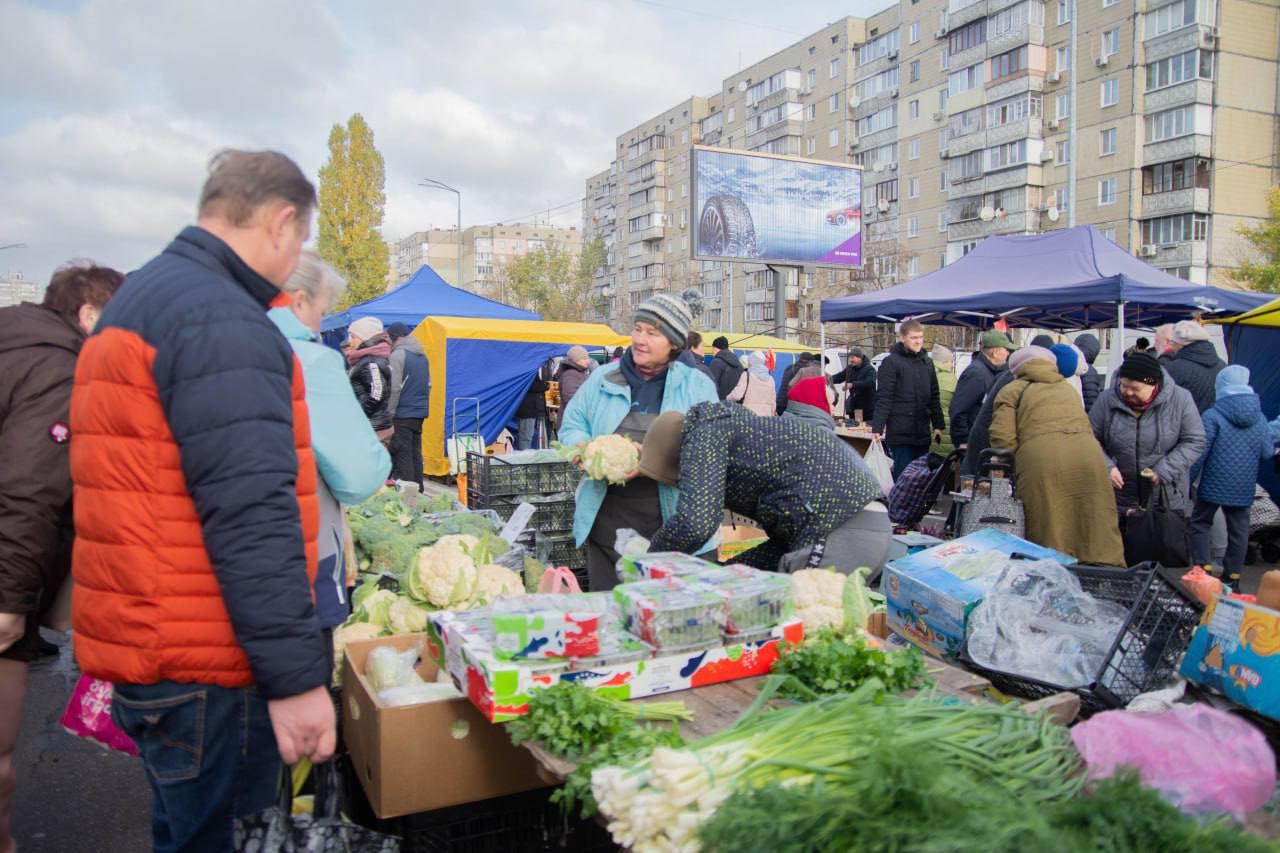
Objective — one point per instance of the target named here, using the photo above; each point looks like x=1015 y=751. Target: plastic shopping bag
x=878 y=461
x=88 y=715
x=1203 y=760
x=559 y=580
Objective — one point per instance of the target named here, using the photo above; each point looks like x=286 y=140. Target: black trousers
x=406 y=450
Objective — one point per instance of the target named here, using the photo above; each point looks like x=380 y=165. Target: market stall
x=1253 y=339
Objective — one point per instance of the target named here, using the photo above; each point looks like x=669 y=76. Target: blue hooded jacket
x=1237 y=440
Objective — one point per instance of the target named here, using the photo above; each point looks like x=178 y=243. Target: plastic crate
x=559 y=550
x=1144 y=656
x=491 y=477
x=521 y=822
x=552 y=515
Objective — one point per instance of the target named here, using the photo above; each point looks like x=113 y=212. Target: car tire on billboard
x=726 y=227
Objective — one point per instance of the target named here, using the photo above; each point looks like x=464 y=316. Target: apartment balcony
x=646 y=258
x=712 y=137
x=966 y=101
x=1194 y=253
x=1190 y=200
x=777 y=98
x=1016 y=177
x=777 y=130
x=758 y=294
x=1028 y=82
x=652 y=155
x=866 y=106
x=968 y=57
x=646 y=208
x=1029 y=34
x=961 y=145
x=960 y=13
x=1190 y=92
x=653 y=232
x=1180 y=41
x=1017 y=222
x=1032 y=128
x=874 y=67
x=872 y=140
x=1191 y=145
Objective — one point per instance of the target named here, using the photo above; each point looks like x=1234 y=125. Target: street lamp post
x=432 y=183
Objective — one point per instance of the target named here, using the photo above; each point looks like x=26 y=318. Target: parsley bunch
x=832 y=663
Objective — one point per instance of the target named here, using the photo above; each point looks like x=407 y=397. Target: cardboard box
x=902 y=544
x=1236 y=651
x=930 y=594
x=423 y=757
x=737 y=540
x=501 y=689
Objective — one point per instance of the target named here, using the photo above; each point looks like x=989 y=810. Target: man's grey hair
x=240 y=182
x=317 y=279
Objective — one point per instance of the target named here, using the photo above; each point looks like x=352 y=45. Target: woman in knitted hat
x=1150 y=432
x=624 y=397
x=1061 y=478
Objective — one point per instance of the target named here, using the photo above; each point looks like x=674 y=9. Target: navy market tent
x=1069 y=279
x=424 y=294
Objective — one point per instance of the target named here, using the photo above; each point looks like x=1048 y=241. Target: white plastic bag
x=878 y=461
x=1038 y=622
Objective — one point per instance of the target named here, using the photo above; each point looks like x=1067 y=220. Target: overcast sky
x=110 y=109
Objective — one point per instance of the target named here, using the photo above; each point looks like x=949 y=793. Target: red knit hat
x=812 y=392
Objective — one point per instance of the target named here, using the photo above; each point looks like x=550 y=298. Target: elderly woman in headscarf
x=1059 y=468
x=756 y=390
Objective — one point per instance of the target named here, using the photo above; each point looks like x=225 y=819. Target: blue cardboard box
x=930 y=594
x=1236 y=651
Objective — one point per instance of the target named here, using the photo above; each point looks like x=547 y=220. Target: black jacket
x=862 y=390
x=785 y=385
x=371 y=381
x=726 y=370
x=689 y=358
x=971 y=390
x=1196 y=367
x=907 y=399
x=534 y=403
x=980 y=435
x=1091 y=383
x=797 y=481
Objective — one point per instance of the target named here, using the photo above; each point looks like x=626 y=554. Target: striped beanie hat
x=670 y=314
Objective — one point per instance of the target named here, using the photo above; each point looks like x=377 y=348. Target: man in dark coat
x=1091 y=382
x=907 y=400
x=726 y=367
x=532 y=411
x=1195 y=364
x=694 y=356
x=859 y=379
x=805 y=359
x=409 y=402
x=975 y=382
x=369 y=366
x=573 y=371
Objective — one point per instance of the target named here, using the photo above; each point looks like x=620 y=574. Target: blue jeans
x=210 y=756
x=904 y=454
x=527 y=434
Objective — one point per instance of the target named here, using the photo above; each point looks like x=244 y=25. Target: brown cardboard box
x=423 y=757
x=736 y=539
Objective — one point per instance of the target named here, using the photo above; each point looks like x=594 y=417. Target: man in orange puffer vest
x=196 y=514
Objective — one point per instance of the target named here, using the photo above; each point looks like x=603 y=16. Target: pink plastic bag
x=88 y=715
x=558 y=580
x=1200 y=758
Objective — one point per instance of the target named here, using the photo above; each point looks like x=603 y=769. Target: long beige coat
x=1061 y=473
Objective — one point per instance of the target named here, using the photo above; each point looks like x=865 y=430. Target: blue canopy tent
x=1069 y=279
x=426 y=294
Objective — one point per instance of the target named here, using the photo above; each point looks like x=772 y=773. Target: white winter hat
x=364 y=329
x=1188 y=332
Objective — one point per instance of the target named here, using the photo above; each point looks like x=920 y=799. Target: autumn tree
x=1263 y=274
x=554 y=281
x=352 y=198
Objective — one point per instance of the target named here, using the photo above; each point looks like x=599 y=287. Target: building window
x=965 y=79
x=1018 y=108
x=1062 y=107
x=1107 y=142
x=1009 y=154
x=811 y=112
x=879 y=120
x=1110 y=92
x=1106 y=191
x=1111 y=42
x=876 y=48
x=942 y=180
x=944 y=59
x=1178 y=175
x=915 y=32
x=883 y=191
x=874 y=85
x=913 y=226
x=966 y=167
x=913 y=149
x=732 y=110
x=965 y=123
x=833 y=103
x=1170 y=124
x=1061 y=197
x=970 y=35
x=711 y=123
x=1173 y=70
x=1062 y=152
x=813 y=78
x=789 y=79
x=913 y=266
x=914 y=74
x=1171 y=17
x=913 y=188
x=1106 y=4
x=833 y=137
x=1009 y=63
x=1110 y=234
x=811 y=145
x=1062 y=60
x=881 y=154
x=943 y=95
x=1064 y=12
x=942 y=221
x=776 y=115
x=1168 y=230
x=914 y=109
x=834 y=70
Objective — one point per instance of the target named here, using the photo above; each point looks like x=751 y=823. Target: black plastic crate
x=559 y=550
x=494 y=477
x=551 y=514
x=1144 y=656
x=519 y=823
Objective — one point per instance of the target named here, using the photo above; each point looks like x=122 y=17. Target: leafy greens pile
x=832 y=663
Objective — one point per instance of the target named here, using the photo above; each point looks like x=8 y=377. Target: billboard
x=768 y=208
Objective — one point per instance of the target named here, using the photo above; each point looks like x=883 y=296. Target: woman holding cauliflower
x=624 y=398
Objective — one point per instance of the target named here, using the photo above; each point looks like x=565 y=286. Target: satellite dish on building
x=1053 y=214
x=987 y=213
x=742 y=86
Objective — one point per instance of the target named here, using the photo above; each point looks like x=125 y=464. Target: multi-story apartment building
x=477 y=260
x=15 y=288
x=962 y=115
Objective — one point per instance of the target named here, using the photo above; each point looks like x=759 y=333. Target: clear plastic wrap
x=549 y=625
x=670 y=614
x=665 y=564
x=752 y=599
x=1038 y=622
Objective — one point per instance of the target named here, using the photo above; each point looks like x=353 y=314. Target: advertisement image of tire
x=726 y=228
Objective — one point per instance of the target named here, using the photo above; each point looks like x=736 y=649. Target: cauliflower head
x=373 y=609
x=495 y=580
x=819 y=598
x=406 y=617
x=347 y=633
x=463 y=542
x=610 y=457
x=444 y=575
